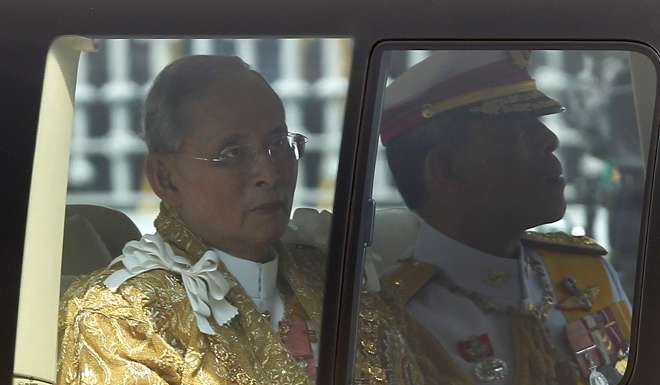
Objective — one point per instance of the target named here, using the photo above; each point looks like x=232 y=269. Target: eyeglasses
x=283 y=148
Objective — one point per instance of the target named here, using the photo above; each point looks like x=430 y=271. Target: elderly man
x=214 y=296
x=472 y=160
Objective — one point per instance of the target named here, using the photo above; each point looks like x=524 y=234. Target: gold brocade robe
x=146 y=331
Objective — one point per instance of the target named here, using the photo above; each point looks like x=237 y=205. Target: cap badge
x=427 y=111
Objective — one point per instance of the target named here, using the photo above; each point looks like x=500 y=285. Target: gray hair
x=183 y=80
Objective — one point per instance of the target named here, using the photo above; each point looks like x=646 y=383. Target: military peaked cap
x=476 y=82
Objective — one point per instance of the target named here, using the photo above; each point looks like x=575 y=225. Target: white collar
x=469 y=267
x=258 y=279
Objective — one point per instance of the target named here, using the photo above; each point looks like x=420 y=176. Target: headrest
x=93 y=236
x=395 y=230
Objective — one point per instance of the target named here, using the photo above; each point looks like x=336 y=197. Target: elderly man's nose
x=266 y=171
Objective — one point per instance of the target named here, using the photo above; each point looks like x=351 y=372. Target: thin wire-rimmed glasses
x=283 y=148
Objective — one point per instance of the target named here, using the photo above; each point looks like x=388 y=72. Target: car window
x=509 y=188
x=309 y=75
x=597 y=109
x=231 y=268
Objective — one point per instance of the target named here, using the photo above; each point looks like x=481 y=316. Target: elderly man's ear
x=161 y=174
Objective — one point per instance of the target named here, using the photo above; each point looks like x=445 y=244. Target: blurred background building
x=107 y=153
x=600 y=147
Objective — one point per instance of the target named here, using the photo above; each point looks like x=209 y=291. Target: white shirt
x=452 y=318
x=260 y=283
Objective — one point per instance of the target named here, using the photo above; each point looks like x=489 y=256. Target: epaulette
x=408 y=278
x=564 y=243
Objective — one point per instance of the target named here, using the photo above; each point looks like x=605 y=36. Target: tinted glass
x=509 y=189
x=219 y=267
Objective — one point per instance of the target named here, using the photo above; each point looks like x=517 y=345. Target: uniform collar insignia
x=496 y=278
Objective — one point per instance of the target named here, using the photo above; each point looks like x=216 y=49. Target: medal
x=595 y=377
x=599 y=346
x=491 y=369
x=297 y=337
x=479 y=350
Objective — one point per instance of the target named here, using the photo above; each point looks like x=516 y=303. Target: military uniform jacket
x=450 y=318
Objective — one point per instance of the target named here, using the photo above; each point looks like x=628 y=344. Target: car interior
x=357 y=232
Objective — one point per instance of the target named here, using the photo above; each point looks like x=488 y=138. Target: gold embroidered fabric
x=538 y=362
x=145 y=333
x=383 y=355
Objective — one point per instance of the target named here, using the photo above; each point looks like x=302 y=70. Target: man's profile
x=472 y=159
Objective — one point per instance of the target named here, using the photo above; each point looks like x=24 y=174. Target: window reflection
x=310 y=75
x=222 y=288
x=518 y=171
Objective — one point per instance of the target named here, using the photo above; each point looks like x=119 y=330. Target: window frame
x=28 y=31
x=365 y=171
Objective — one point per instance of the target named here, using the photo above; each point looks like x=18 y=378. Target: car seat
x=395 y=230
x=93 y=236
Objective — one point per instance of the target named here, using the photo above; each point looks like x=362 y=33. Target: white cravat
x=259 y=280
x=205 y=286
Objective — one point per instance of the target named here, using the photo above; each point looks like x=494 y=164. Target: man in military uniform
x=492 y=302
x=214 y=296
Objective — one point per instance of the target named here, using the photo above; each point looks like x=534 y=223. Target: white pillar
x=202 y=46
x=119 y=91
x=81 y=170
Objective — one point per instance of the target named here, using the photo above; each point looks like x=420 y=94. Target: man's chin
x=559 y=211
x=551 y=213
x=271 y=233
